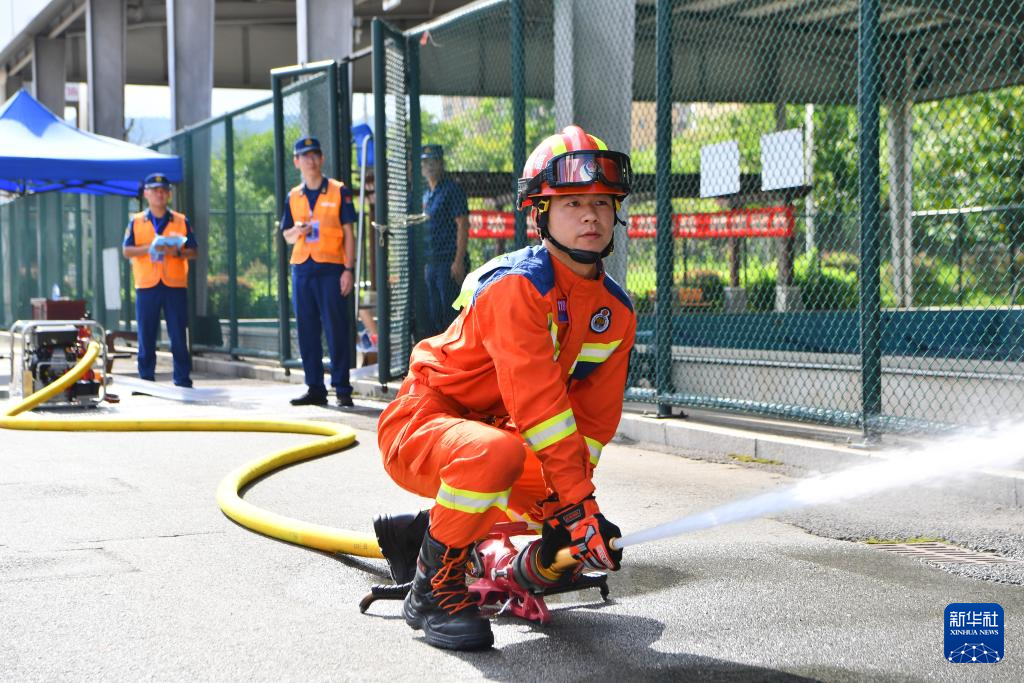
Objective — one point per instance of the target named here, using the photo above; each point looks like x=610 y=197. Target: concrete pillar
x=901 y=186
x=594 y=83
x=105 y=67
x=49 y=73
x=323 y=29
x=190 y=60
x=105 y=57
x=190 y=75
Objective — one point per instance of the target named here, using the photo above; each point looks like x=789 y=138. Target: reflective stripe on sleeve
x=594 y=447
x=551 y=430
x=473 y=502
x=595 y=353
x=553 y=328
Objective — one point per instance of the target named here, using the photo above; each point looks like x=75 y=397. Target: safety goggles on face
x=580 y=169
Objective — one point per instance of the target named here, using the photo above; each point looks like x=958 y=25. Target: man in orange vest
x=160 y=244
x=504 y=415
x=317 y=222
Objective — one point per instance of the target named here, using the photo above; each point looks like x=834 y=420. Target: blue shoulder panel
x=617 y=291
x=533 y=263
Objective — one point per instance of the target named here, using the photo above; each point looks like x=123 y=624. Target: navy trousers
x=442 y=290
x=320 y=308
x=174 y=303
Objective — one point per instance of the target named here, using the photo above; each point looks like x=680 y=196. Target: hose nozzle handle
x=564 y=559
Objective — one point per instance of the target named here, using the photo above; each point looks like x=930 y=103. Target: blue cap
x=432 y=152
x=156 y=180
x=303 y=145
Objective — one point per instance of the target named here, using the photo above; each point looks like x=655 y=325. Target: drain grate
x=940 y=552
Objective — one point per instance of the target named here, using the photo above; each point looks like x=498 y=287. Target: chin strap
x=578 y=255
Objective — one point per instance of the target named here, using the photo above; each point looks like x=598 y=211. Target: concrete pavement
x=116 y=563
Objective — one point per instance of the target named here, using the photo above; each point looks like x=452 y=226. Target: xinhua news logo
x=974 y=633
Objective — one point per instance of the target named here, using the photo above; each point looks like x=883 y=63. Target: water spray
x=956 y=457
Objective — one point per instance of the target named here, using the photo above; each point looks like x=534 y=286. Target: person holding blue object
x=317 y=222
x=447 y=259
x=160 y=244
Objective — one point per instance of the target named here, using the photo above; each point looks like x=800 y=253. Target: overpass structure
x=191 y=45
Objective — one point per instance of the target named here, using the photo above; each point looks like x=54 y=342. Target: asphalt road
x=115 y=563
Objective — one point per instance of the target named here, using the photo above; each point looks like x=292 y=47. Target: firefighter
x=160 y=244
x=504 y=415
x=317 y=222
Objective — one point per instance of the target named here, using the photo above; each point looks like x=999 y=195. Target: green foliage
x=478 y=138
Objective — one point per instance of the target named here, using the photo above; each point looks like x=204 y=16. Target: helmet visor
x=575 y=169
x=580 y=169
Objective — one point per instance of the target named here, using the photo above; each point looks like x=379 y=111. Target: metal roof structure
x=796 y=51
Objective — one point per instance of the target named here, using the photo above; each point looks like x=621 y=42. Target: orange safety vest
x=172 y=270
x=331 y=246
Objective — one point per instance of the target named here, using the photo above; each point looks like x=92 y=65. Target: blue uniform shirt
x=158 y=225
x=443 y=205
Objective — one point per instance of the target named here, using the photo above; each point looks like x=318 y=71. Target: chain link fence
x=826 y=223
x=49 y=241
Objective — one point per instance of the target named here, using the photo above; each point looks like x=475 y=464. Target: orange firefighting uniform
x=515 y=400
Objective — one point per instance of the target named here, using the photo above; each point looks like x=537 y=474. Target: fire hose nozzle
x=564 y=559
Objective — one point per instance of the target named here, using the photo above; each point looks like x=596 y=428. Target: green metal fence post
x=283 y=320
x=332 y=119
x=380 y=183
x=415 y=125
x=79 y=247
x=231 y=226
x=5 y=228
x=98 y=303
x=42 y=244
x=189 y=208
x=416 y=232
x=518 y=108
x=663 y=202
x=345 y=122
x=869 y=175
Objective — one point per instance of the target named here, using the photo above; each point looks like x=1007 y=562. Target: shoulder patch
x=617 y=291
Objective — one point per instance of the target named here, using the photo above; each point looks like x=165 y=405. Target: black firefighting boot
x=399 y=538
x=439 y=602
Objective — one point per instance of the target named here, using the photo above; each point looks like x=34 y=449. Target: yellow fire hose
x=336 y=437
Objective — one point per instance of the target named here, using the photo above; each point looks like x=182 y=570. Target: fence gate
x=392 y=192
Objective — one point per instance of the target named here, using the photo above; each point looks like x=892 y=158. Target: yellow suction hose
x=336 y=437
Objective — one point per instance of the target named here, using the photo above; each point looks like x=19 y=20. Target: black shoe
x=399 y=538
x=439 y=602
x=345 y=401
x=310 y=398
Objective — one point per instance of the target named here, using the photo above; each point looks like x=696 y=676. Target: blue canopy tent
x=40 y=152
x=41 y=156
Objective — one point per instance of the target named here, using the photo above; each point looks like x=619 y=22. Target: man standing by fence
x=447 y=259
x=317 y=221
x=160 y=244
